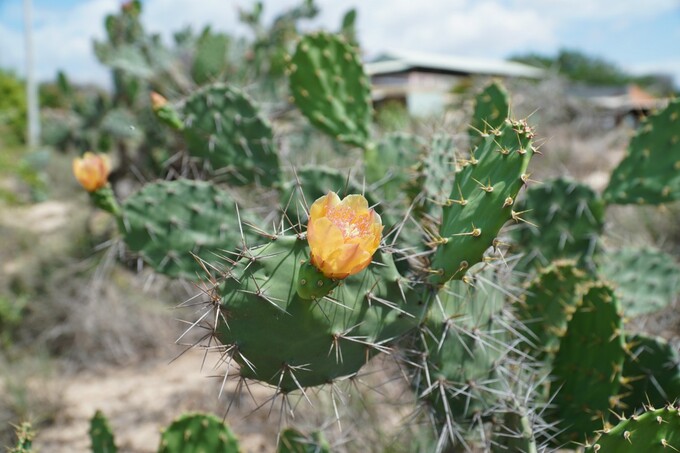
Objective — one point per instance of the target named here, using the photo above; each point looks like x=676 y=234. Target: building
x=425 y=83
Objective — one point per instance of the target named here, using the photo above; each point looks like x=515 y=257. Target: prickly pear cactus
x=165 y=222
x=587 y=367
x=651 y=373
x=436 y=175
x=646 y=280
x=290 y=342
x=515 y=434
x=564 y=219
x=492 y=108
x=482 y=200
x=548 y=304
x=463 y=342
x=313 y=182
x=293 y=441
x=655 y=431
x=650 y=172
x=330 y=88
x=390 y=165
x=25 y=435
x=223 y=127
x=101 y=435
x=198 y=433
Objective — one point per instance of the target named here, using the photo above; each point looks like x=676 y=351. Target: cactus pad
x=492 y=108
x=587 y=367
x=655 y=431
x=223 y=127
x=646 y=280
x=564 y=220
x=289 y=342
x=101 y=435
x=482 y=200
x=390 y=166
x=198 y=433
x=167 y=221
x=548 y=304
x=651 y=373
x=293 y=441
x=463 y=346
x=650 y=172
x=329 y=86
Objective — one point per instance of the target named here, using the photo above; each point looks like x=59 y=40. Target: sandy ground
x=139 y=401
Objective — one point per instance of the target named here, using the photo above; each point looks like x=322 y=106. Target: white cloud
x=484 y=28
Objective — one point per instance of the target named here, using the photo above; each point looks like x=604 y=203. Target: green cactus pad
x=587 y=367
x=210 y=61
x=646 y=280
x=436 y=175
x=492 y=108
x=564 y=219
x=329 y=86
x=463 y=344
x=390 y=166
x=279 y=338
x=650 y=172
x=655 y=431
x=651 y=373
x=198 y=433
x=101 y=435
x=223 y=127
x=482 y=200
x=548 y=304
x=293 y=441
x=168 y=221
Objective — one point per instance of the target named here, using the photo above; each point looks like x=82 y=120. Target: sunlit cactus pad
x=482 y=199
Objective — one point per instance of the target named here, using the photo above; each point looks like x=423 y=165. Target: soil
x=139 y=400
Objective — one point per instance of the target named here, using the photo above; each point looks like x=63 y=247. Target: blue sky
x=637 y=38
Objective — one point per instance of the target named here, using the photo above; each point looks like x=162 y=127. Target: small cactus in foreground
x=198 y=433
x=101 y=436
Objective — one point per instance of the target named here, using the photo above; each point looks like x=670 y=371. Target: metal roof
x=391 y=62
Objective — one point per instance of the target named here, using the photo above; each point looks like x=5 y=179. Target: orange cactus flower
x=157 y=101
x=92 y=170
x=342 y=235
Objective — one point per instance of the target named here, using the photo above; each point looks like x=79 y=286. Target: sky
x=639 y=36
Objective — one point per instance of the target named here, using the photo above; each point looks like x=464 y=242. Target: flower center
x=349 y=223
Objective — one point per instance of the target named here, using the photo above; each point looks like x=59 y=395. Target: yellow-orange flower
x=92 y=170
x=157 y=101
x=342 y=235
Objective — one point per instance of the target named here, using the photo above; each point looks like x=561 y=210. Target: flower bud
x=92 y=170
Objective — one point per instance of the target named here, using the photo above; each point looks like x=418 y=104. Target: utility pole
x=31 y=84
